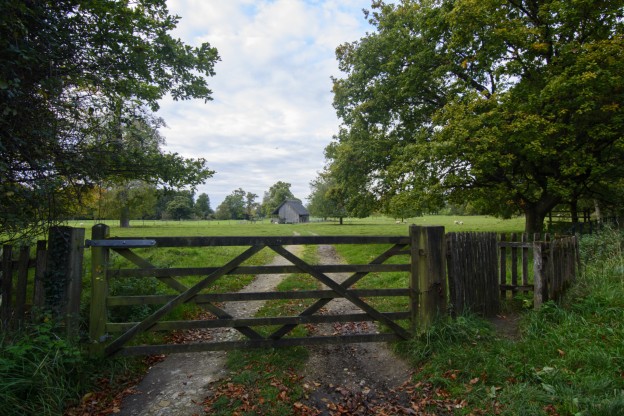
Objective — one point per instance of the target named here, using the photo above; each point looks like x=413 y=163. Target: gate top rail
x=136 y=242
x=126 y=243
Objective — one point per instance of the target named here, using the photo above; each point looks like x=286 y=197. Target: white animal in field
x=458 y=222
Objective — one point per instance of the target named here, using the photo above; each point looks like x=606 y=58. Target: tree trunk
x=340 y=220
x=574 y=211
x=124 y=217
x=598 y=213
x=535 y=213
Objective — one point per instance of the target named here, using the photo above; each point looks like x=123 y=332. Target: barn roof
x=296 y=205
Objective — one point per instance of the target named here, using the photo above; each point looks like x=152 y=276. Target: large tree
x=233 y=207
x=326 y=200
x=515 y=104
x=202 y=206
x=273 y=198
x=73 y=75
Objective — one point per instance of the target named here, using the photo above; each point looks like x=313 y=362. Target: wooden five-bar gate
x=424 y=261
x=475 y=271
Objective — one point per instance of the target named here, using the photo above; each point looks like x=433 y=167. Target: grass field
x=351 y=226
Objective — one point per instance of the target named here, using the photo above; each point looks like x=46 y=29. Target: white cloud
x=271 y=116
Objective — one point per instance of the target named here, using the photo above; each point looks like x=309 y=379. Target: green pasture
x=350 y=226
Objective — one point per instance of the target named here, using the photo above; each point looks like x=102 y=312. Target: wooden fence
x=545 y=267
x=16 y=266
x=53 y=277
x=481 y=269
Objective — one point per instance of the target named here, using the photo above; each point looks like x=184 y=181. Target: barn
x=292 y=211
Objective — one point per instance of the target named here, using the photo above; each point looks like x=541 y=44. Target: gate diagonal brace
x=338 y=288
x=191 y=292
x=174 y=284
x=353 y=279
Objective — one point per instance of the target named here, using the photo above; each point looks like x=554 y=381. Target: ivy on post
x=62 y=281
x=428 y=275
x=99 y=290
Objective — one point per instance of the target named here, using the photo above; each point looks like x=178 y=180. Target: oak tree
x=515 y=104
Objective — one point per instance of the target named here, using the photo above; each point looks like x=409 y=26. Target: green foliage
x=202 y=207
x=325 y=198
x=179 y=208
x=237 y=206
x=38 y=372
x=275 y=196
x=490 y=102
x=78 y=80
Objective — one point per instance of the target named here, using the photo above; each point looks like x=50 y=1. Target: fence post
x=428 y=275
x=538 y=275
x=7 y=285
x=99 y=290
x=63 y=277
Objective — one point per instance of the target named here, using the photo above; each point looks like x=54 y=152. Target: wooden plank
x=40 y=269
x=341 y=290
x=525 y=259
x=517 y=244
x=7 y=285
x=180 y=299
x=267 y=240
x=431 y=274
x=247 y=344
x=233 y=323
x=503 y=263
x=538 y=277
x=520 y=288
x=316 y=306
x=74 y=281
x=514 y=263
x=254 y=270
x=252 y=296
x=22 y=283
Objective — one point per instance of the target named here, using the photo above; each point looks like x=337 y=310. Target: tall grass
x=568 y=360
x=38 y=372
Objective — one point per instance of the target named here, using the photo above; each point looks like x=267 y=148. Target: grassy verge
x=569 y=359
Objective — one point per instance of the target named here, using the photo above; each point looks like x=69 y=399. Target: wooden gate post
x=63 y=277
x=539 y=274
x=428 y=276
x=99 y=290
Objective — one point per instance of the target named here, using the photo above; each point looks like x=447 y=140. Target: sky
x=271 y=116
